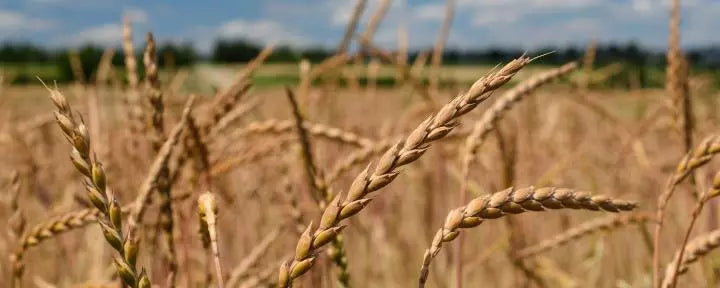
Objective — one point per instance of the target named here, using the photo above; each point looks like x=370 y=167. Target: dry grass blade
x=96 y=185
x=602 y=224
x=207 y=211
x=402 y=153
x=242 y=269
x=514 y=201
x=160 y=163
x=673 y=269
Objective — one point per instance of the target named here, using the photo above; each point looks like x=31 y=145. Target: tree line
x=242 y=50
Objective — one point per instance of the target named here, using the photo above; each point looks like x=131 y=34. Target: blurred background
x=36 y=35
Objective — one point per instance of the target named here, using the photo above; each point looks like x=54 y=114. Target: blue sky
x=479 y=23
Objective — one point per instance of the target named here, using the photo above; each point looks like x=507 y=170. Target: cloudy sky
x=478 y=23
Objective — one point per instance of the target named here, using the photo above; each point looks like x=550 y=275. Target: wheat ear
x=318 y=185
x=587 y=65
x=699 y=156
x=154 y=96
x=437 y=54
x=96 y=185
x=608 y=223
x=160 y=162
x=277 y=127
x=514 y=201
x=402 y=153
x=227 y=98
x=673 y=269
x=226 y=165
x=16 y=223
x=351 y=26
x=698 y=247
x=207 y=210
x=134 y=110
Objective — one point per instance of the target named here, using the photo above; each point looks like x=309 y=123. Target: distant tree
x=234 y=50
x=23 y=53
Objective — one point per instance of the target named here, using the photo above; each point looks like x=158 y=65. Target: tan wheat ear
x=351 y=26
x=278 y=127
x=160 y=163
x=437 y=54
x=673 y=268
x=697 y=248
x=16 y=225
x=228 y=164
x=608 y=223
x=207 y=211
x=404 y=152
x=322 y=193
x=227 y=98
x=131 y=100
x=154 y=96
x=491 y=116
x=95 y=181
x=514 y=201
x=697 y=157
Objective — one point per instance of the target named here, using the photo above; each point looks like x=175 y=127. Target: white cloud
x=105 y=35
x=11 y=22
x=261 y=30
x=432 y=12
x=136 y=15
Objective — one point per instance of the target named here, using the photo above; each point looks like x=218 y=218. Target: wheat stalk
x=402 y=153
x=608 y=223
x=514 y=201
x=98 y=193
x=207 y=211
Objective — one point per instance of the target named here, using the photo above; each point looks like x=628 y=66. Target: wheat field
x=162 y=180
